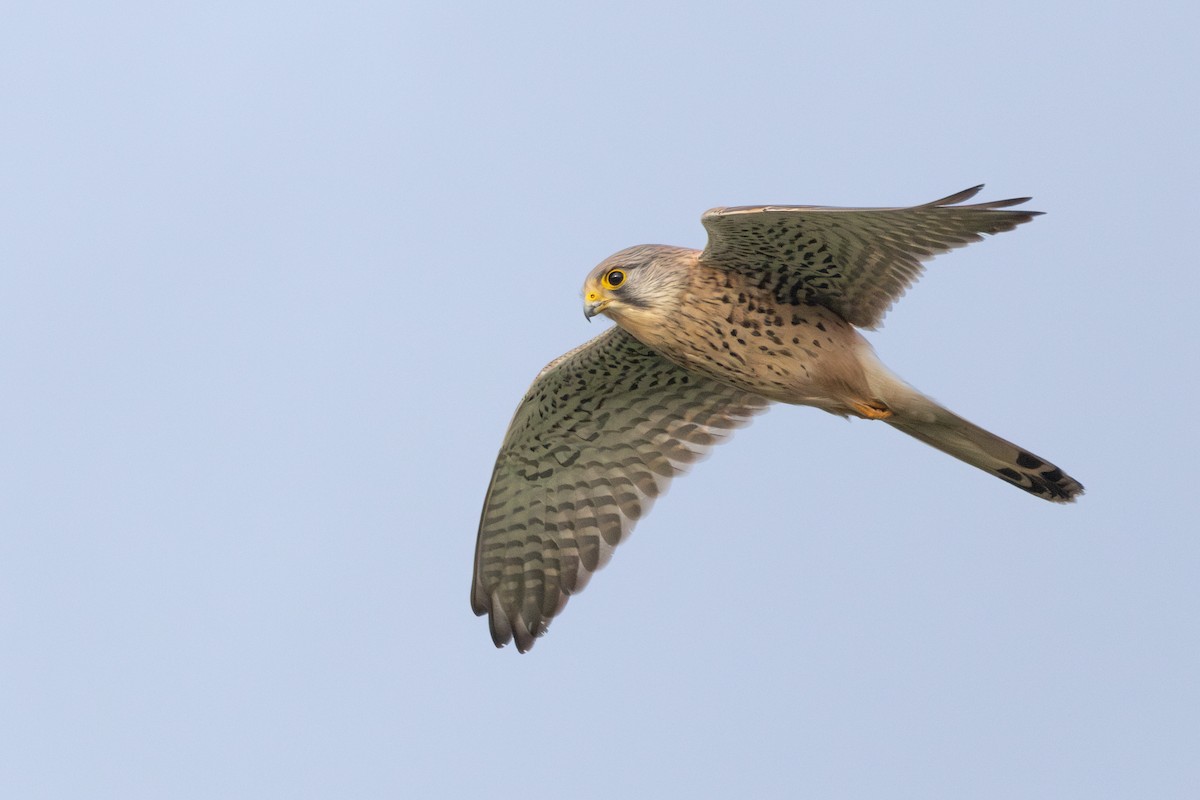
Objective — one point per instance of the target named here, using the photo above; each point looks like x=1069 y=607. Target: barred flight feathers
x=597 y=438
x=856 y=261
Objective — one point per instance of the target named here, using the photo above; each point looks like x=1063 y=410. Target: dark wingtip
x=957 y=201
x=521 y=633
x=956 y=198
x=1012 y=201
x=499 y=626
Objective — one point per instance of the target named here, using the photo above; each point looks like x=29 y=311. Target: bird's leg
x=871 y=409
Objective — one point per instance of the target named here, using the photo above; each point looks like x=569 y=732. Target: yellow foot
x=875 y=409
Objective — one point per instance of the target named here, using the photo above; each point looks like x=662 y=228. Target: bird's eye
x=614 y=278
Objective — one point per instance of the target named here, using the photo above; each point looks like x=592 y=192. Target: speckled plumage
x=579 y=466
x=767 y=312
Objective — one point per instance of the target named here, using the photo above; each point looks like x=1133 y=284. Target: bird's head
x=638 y=284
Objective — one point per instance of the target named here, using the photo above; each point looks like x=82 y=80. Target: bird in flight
x=703 y=341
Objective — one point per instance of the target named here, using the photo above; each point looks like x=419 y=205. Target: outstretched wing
x=599 y=435
x=856 y=261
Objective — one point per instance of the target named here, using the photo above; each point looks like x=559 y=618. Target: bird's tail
x=923 y=419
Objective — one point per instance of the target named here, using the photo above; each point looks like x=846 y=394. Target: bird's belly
x=805 y=355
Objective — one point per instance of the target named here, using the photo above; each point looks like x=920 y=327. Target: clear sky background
x=275 y=275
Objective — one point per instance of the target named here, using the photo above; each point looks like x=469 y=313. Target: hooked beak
x=593 y=304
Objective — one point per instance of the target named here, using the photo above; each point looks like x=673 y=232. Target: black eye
x=614 y=278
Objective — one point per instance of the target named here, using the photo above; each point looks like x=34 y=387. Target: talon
x=875 y=409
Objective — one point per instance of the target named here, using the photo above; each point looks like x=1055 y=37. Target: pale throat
x=648 y=325
x=658 y=326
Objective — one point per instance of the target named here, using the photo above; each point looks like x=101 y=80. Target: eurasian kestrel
x=705 y=340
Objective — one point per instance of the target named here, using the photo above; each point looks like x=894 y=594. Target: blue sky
x=276 y=275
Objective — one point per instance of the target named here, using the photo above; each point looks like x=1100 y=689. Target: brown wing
x=599 y=435
x=856 y=261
